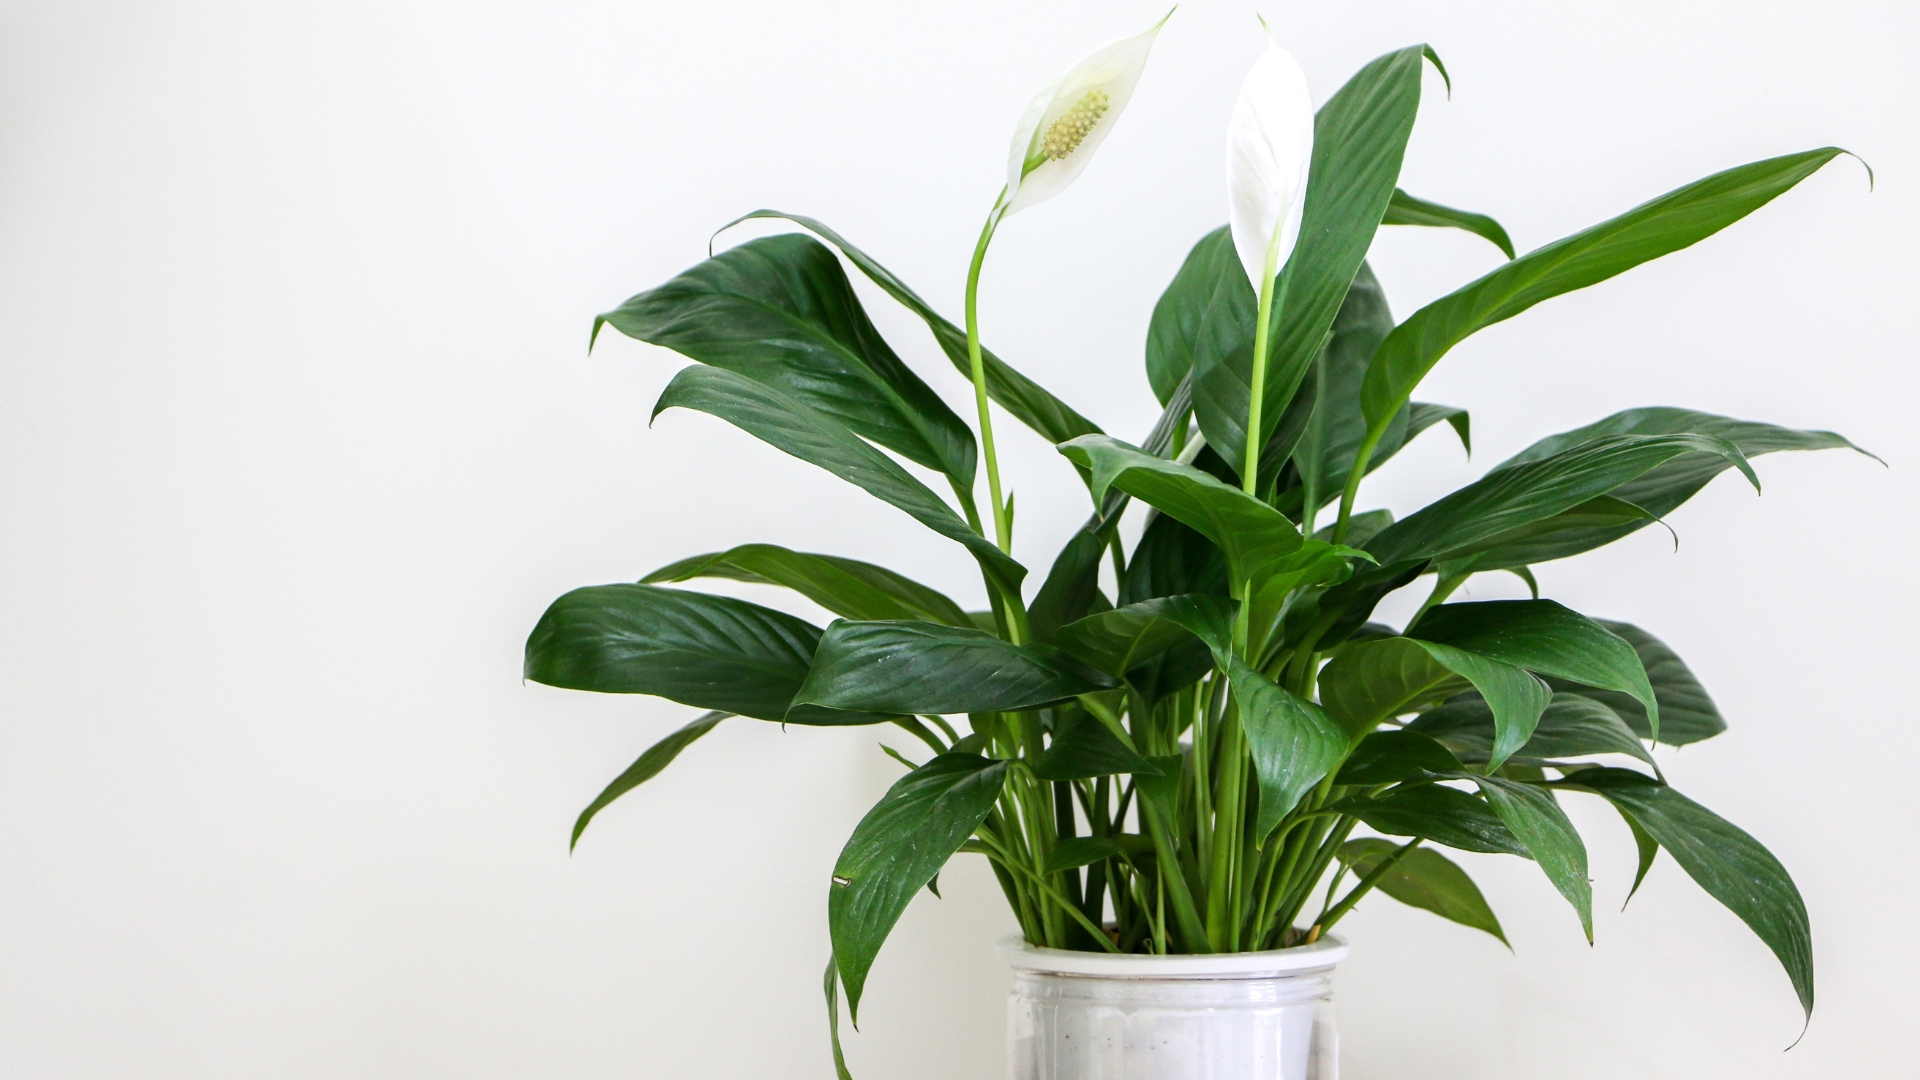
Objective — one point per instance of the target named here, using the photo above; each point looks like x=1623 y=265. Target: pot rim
x=1319 y=956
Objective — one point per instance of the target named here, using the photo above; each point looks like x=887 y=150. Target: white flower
x=1269 y=150
x=1066 y=122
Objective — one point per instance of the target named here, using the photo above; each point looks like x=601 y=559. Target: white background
x=298 y=436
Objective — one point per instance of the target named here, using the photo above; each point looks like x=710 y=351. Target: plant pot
x=1232 y=1016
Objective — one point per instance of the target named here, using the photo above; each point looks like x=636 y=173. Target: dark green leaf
x=1176 y=317
x=1422 y=415
x=1117 y=641
x=1541 y=636
x=1293 y=743
x=1512 y=497
x=1080 y=851
x=1647 y=848
x=896 y=849
x=1730 y=865
x=1082 y=748
x=1533 y=816
x=711 y=652
x=1360 y=136
x=1373 y=682
x=1650 y=230
x=847 y=587
x=1388 y=757
x=791 y=426
x=1336 y=429
x=1687 y=714
x=1072 y=588
x=646 y=767
x=1425 y=879
x=1572 y=726
x=1439 y=814
x=1172 y=559
x=1407 y=210
x=919 y=667
x=1254 y=536
x=1013 y=391
x=1516 y=697
x=1597 y=521
x=779 y=310
x=832 y=988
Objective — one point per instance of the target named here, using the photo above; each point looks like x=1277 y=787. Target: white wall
x=298 y=436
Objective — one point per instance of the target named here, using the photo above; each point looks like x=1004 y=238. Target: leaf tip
x=1434 y=58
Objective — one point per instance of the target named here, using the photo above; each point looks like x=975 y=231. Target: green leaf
x=896 y=849
x=1722 y=859
x=1370 y=683
x=1254 y=536
x=1439 y=814
x=1082 y=748
x=1673 y=221
x=919 y=667
x=1648 y=850
x=1509 y=498
x=1597 y=521
x=1360 y=136
x=1687 y=714
x=1422 y=415
x=1175 y=326
x=1293 y=742
x=1014 y=392
x=1080 y=851
x=1407 y=210
x=1335 y=431
x=1516 y=697
x=1172 y=559
x=1119 y=640
x=780 y=311
x=1425 y=879
x=711 y=652
x=791 y=426
x=847 y=587
x=1072 y=588
x=1532 y=815
x=1572 y=726
x=832 y=987
x=1388 y=757
x=1542 y=636
x=646 y=767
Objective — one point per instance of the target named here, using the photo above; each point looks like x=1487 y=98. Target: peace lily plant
x=1218 y=752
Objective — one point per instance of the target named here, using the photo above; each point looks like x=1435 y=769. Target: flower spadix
x=1066 y=122
x=1269 y=150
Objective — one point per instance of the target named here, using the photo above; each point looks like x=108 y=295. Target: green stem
x=1002 y=528
x=1257 y=390
x=1052 y=894
x=1361 y=459
x=1333 y=915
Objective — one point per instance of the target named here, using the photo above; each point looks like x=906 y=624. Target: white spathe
x=1269 y=152
x=1066 y=122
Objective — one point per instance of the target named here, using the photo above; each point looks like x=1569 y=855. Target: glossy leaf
x=1516 y=697
x=711 y=652
x=1172 y=559
x=1425 y=879
x=1081 y=748
x=849 y=588
x=790 y=425
x=1597 y=521
x=1012 y=391
x=1544 y=637
x=1360 y=136
x=1722 y=859
x=919 y=667
x=1533 y=816
x=647 y=766
x=1422 y=415
x=1673 y=221
x=1512 y=497
x=1687 y=714
x=1407 y=210
x=1254 y=536
x=1572 y=726
x=779 y=310
x=1388 y=757
x=1336 y=429
x=1072 y=589
x=1117 y=641
x=1293 y=743
x=896 y=849
x=1175 y=326
x=1440 y=814
x=1368 y=684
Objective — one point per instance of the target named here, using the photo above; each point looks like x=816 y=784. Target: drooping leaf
x=1647 y=849
x=896 y=849
x=849 y=588
x=1176 y=317
x=1673 y=221
x=1687 y=714
x=779 y=310
x=1012 y=391
x=647 y=766
x=1350 y=603
x=1293 y=743
x=1425 y=879
x=1510 y=498
x=1422 y=415
x=1370 y=683
x=1388 y=757
x=832 y=988
x=1117 y=641
x=1252 y=535
x=1532 y=815
x=1544 y=637
x=1516 y=696
x=1722 y=859
x=793 y=427
x=1440 y=814
x=1082 y=748
x=711 y=652
x=1572 y=726
x=919 y=667
x=1360 y=136
x=1407 y=210
x=1597 y=521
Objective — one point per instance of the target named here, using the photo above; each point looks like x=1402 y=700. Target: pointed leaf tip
x=1434 y=58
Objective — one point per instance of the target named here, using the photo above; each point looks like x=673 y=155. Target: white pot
x=1232 y=1016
